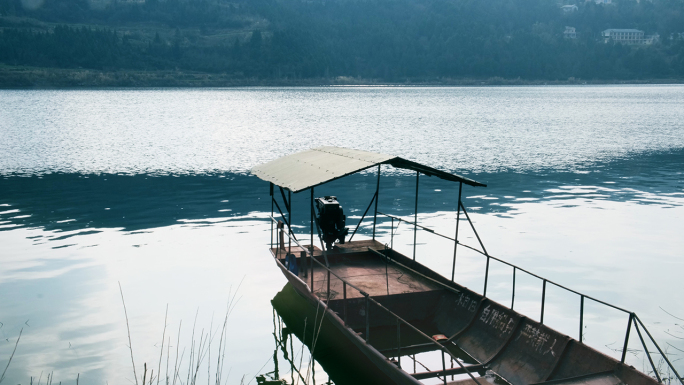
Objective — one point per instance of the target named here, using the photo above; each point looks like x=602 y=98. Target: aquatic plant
x=2 y=377
x=199 y=355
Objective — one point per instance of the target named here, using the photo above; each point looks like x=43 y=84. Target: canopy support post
x=377 y=192
x=363 y=216
x=288 y=208
x=312 y=220
x=272 y=198
x=415 y=221
x=474 y=231
x=458 y=217
x=281 y=214
x=289 y=227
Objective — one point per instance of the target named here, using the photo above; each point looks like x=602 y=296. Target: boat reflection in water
x=295 y=318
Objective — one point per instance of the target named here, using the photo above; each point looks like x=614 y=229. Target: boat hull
x=480 y=331
x=339 y=348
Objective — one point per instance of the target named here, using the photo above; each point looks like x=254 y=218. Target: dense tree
x=388 y=40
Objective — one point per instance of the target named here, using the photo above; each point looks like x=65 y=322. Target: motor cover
x=331 y=220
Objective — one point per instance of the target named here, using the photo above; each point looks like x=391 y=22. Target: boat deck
x=484 y=333
x=361 y=268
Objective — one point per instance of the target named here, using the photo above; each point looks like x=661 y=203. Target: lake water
x=150 y=190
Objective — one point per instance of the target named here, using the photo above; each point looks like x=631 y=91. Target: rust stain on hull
x=484 y=333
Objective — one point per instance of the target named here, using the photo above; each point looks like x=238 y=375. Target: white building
x=569 y=8
x=570 y=33
x=625 y=36
x=603 y=1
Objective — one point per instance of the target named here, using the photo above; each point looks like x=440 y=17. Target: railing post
x=662 y=354
x=399 y=342
x=513 y=295
x=328 y=294
x=541 y=320
x=312 y=242
x=392 y=235
x=581 y=336
x=302 y=263
x=344 y=302
x=451 y=359
x=415 y=220
x=367 y=318
x=629 y=327
x=484 y=294
x=312 y=219
x=655 y=371
x=458 y=217
x=289 y=226
x=271 y=193
x=444 y=376
x=312 y=272
x=377 y=192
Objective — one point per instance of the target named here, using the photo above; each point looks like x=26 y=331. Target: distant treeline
x=388 y=40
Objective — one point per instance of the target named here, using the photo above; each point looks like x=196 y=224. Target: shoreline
x=59 y=78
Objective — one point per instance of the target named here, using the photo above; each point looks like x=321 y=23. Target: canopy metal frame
x=264 y=173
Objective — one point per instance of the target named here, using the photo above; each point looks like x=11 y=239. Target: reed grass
x=11 y=356
x=199 y=356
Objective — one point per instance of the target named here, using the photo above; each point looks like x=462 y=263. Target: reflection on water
x=75 y=203
x=183 y=240
x=70 y=202
x=149 y=188
x=293 y=318
x=343 y=362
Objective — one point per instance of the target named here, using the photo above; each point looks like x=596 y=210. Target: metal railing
x=633 y=318
x=369 y=300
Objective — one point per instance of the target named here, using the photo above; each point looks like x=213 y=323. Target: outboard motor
x=331 y=220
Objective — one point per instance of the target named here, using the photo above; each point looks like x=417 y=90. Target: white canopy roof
x=303 y=170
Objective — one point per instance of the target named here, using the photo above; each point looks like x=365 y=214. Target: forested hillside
x=392 y=41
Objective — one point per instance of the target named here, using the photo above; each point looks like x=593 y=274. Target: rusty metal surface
x=456 y=313
x=601 y=378
x=575 y=362
x=492 y=329
x=466 y=382
x=520 y=350
x=531 y=355
x=344 y=357
x=368 y=273
x=358 y=266
x=306 y=169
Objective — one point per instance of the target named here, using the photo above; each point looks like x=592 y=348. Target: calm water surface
x=150 y=189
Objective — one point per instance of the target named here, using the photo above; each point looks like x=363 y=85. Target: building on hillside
x=570 y=33
x=569 y=8
x=625 y=36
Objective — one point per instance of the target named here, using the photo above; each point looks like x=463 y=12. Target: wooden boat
x=386 y=307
